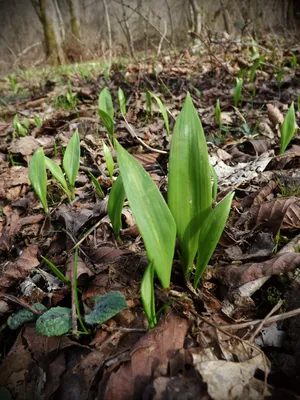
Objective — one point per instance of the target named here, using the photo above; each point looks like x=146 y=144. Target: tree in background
x=47 y=15
x=75 y=23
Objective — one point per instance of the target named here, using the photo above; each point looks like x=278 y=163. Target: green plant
x=237 y=91
x=67 y=101
x=97 y=185
x=109 y=160
x=39 y=163
x=218 y=114
x=149 y=110
x=288 y=128
x=189 y=211
x=122 y=102
x=279 y=77
x=13 y=83
x=37 y=121
x=20 y=128
x=106 y=111
x=163 y=111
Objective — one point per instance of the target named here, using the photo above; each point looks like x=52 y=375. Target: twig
x=162 y=38
x=86 y=235
x=131 y=130
x=21 y=303
x=109 y=34
x=260 y=326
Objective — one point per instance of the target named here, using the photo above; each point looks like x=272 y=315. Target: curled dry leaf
x=83 y=272
x=281 y=213
x=274 y=115
x=237 y=275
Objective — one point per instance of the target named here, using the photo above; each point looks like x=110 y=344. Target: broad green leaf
x=288 y=128
x=122 y=102
x=105 y=103
x=115 y=204
x=189 y=191
x=38 y=176
x=163 y=111
x=210 y=233
x=151 y=213
x=97 y=185
x=106 y=307
x=147 y=295
x=237 y=91
x=71 y=160
x=107 y=122
x=109 y=160
x=23 y=316
x=55 y=322
x=56 y=171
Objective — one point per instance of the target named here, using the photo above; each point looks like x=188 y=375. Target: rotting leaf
x=106 y=307
x=55 y=322
x=20 y=317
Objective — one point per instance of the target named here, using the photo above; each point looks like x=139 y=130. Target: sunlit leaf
x=55 y=322
x=56 y=171
x=38 y=176
x=109 y=160
x=189 y=191
x=97 y=185
x=218 y=114
x=71 y=160
x=105 y=103
x=151 y=213
x=115 y=204
x=106 y=307
x=210 y=232
x=122 y=102
x=147 y=295
x=163 y=111
x=288 y=128
x=107 y=122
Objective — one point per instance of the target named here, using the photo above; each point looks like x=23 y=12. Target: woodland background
x=60 y=31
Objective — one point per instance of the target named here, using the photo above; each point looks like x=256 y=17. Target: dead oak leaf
x=20 y=268
x=237 y=275
x=150 y=354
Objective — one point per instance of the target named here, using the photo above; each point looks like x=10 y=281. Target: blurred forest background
x=33 y=32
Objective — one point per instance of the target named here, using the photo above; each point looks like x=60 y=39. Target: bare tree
x=75 y=22
x=46 y=13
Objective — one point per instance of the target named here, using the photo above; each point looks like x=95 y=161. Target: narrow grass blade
x=218 y=114
x=107 y=122
x=71 y=160
x=56 y=271
x=109 y=160
x=147 y=295
x=288 y=128
x=97 y=185
x=237 y=91
x=151 y=213
x=38 y=176
x=115 y=205
x=215 y=184
x=56 y=171
x=189 y=191
x=122 y=102
x=105 y=103
x=210 y=233
x=163 y=111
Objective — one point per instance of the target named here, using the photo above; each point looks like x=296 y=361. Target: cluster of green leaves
x=67 y=101
x=13 y=83
x=189 y=213
x=38 y=175
x=57 y=321
x=288 y=128
x=21 y=128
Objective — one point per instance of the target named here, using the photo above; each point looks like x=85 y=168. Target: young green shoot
x=288 y=128
x=237 y=91
x=38 y=177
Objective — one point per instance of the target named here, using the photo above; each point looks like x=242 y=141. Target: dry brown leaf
x=152 y=353
x=274 y=115
x=12 y=179
x=83 y=272
x=19 y=269
x=236 y=275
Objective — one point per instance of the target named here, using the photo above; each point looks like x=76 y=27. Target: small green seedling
x=68 y=101
x=109 y=160
x=288 y=128
x=218 y=114
x=13 y=83
x=97 y=185
x=163 y=112
x=39 y=163
x=237 y=91
x=122 y=102
x=106 y=111
x=20 y=128
x=37 y=121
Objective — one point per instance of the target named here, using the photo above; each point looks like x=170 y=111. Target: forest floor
x=238 y=334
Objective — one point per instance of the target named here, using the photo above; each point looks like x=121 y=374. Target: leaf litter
x=210 y=343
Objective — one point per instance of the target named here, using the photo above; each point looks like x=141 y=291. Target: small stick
x=260 y=326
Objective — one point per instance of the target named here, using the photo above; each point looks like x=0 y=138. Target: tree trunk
x=75 y=23
x=46 y=13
